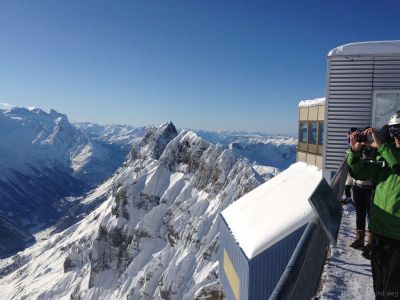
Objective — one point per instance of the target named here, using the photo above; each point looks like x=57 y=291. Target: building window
x=312 y=133
x=320 y=133
x=386 y=103
x=303 y=132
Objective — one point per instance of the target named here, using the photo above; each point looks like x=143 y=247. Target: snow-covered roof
x=317 y=101
x=273 y=210
x=368 y=48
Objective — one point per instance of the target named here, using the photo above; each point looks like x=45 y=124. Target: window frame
x=375 y=103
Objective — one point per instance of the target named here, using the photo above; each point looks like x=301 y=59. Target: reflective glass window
x=386 y=105
x=303 y=132
x=321 y=133
x=312 y=131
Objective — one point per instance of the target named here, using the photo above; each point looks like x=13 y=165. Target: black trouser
x=362 y=201
x=385 y=262
x=347 y=191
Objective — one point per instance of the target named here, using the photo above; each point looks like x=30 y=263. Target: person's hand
x=376 y=143
x=354 y=144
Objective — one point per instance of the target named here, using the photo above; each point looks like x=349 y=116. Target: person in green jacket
x=385 y=210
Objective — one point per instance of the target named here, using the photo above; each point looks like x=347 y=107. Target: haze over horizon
x=205 y=65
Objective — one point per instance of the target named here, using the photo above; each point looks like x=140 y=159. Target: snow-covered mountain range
x=43 y=158
x=124 y=135
x=278 y=151
x=260 y=148
x=148 y=231
x=155 y=235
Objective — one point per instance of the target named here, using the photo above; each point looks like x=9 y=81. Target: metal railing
x=301 y=278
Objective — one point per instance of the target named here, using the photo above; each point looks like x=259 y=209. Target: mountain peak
x=168 y=128
x=53 y=112
x=156 y=139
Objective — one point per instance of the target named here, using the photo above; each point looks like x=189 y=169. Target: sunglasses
x=394 y=131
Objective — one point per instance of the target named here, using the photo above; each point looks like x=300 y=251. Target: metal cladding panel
x=386 y=73
x=238 y=259
x=348 y=104
x=351 y=83
x=267 y=268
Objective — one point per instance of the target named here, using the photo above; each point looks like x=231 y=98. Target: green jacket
x=385 y=210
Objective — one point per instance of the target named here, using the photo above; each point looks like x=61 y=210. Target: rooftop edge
x=367 y=48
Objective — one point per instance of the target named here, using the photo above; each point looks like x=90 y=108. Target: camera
x=362 y=137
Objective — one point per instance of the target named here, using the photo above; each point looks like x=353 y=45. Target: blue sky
x=215 y=65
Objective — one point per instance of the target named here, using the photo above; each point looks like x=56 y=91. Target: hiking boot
x=369 y=239
x=366 y=251
x=358 y=243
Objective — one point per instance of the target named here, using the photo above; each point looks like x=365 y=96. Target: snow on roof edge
x=317 y=101
x=273 y=210
x=390 y=47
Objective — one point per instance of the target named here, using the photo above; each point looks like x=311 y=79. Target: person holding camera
x=362 y=194
x=385 y=210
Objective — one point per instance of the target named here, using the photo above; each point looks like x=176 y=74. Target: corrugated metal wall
x=238 y=259
x=259 y=276
x=267 y=268
x=351 y=83
x=386 y=73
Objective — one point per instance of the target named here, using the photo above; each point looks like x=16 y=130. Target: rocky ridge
x=156 y=235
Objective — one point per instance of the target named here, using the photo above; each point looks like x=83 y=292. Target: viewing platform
x=347 y=274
